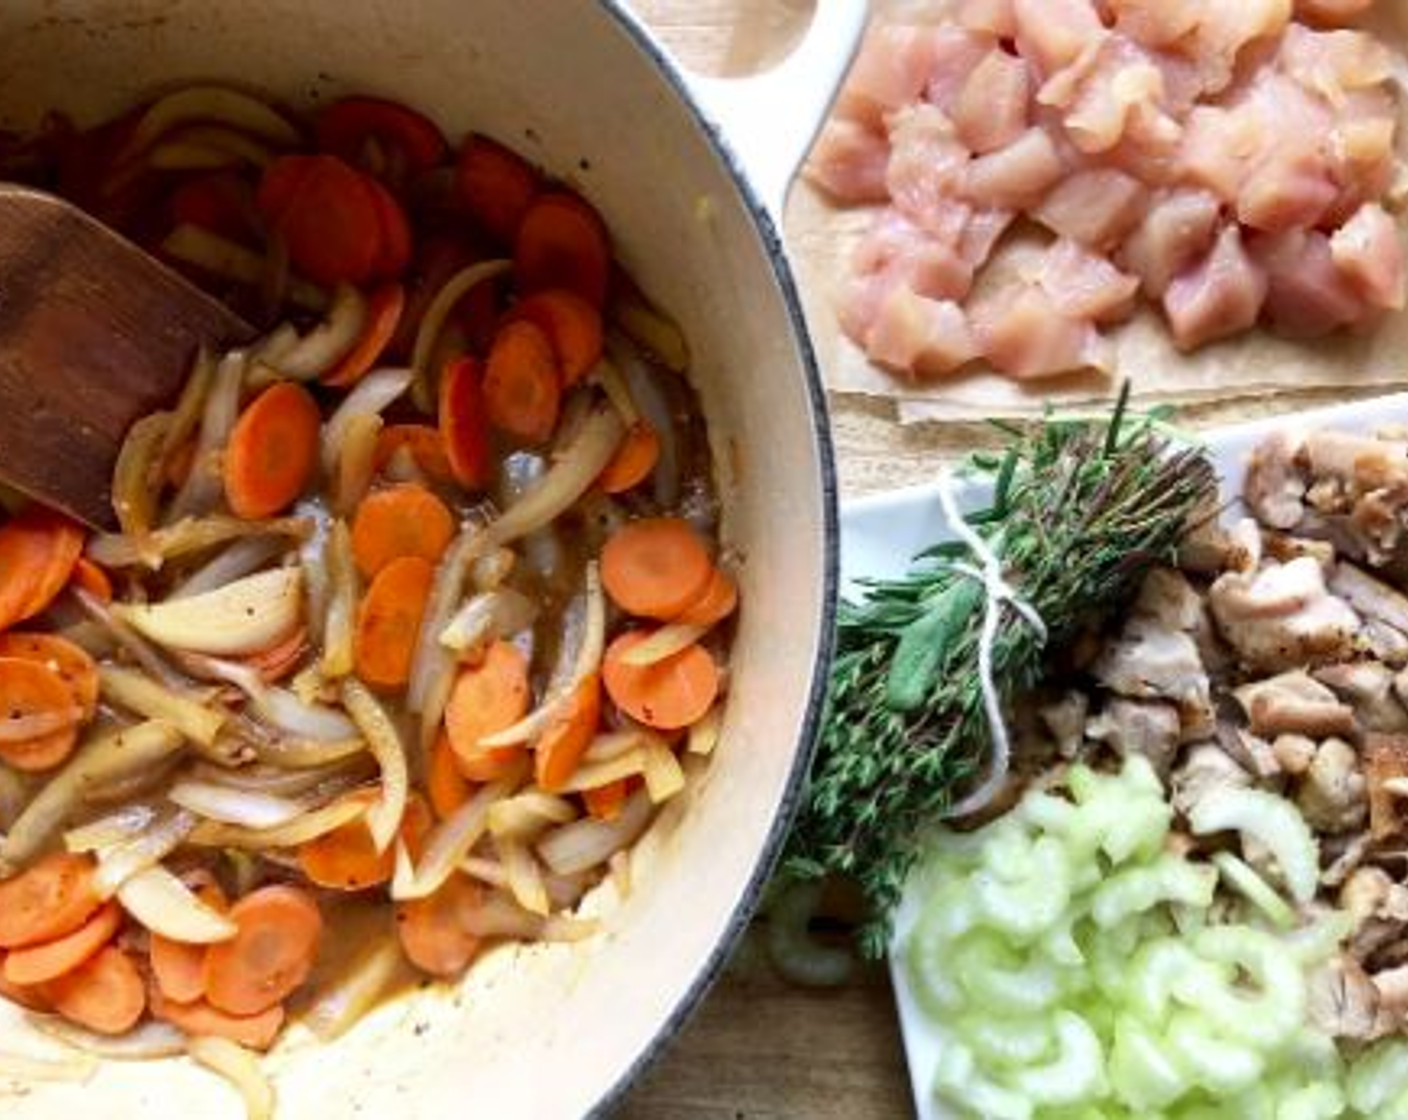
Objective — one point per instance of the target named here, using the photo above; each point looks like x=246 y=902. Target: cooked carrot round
x=273 y=451
x=34 y=998
x=655 y=567
x=522 y=386
x=104 y=994
x=572 y=325
x=446 y=787
x=346 y=859
x=487 y=698
x=92 y=579
x=178 y=967
x=384 y=308
x=199 y=1019
x=496 y=185
x=432 y=930
x=423 y=443
x=562 y=243
x=464 y=424
x=718 y=601
x=605 y=803
x=74 y=667
x=280 y=659
x=669 y=694
x=270 y=956
x=47 y=901
x=38 y=551
x=400 y=521
x=346 y=126
x=52 y=959
x=31 y=690
x=388 y=622
x=633 y=461
x=559 y=749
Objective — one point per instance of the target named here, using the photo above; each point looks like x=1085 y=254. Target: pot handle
x=769 y=121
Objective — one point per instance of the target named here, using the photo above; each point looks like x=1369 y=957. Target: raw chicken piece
x=1097 y=207
x=954 y=55
x=1022 y=334
x=1330 y=63
x=1289 y=189
x=907 y=254
x=1105 y=92
x=1085 y=286
x=849 y=163
x=1308 y=295
x=1282 y=617
x=1368 y=251
x=1331 y=13
x=1156 y=23
x=923 y=336
x=992 y=111
x=981 y=233
x=1177 y=230
x=925 y=159
x=890 y=71
x=995 y=17
x=1294 y=703
x=1052 y=33
x=1225 y=29
x=1017 y=176
x=1219 y=147
x=1220 y=297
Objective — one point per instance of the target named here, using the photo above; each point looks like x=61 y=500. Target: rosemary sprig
x=1081 y=510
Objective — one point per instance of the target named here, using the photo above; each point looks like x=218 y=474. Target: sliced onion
x=501 y=916
x=232 y=261
x=650 y=330
x=384 y=742
x=116 y=755
x=356 y=990
x=130 y=787
x=165 y=905
x=340 y=620
x=205 y=104
x=25 y=1068
x=208 y=149
x=246 y=808
x=238 y=619
x=525 y=879
x=489 y=871
x=663 y=776
x=618 y=867
x=240 y=1068
x=594 y=775
x=240 y=559
x=308 y=826
x=199 y=722
x=322 y=347
x=371 y=397
x=188 y=536
x=136 y=475
x=312 y=557
x=283 y=783
x=655 y=407
x=432 y=670
x=142 y=1043
x=132 y=643
x=490 y=572
x=278 y=707
x=120 y=862
x=455 y=289
x=584 y=844
x=299 y=754
x=487 y=616
x=704 y=733
x=613 y=384
x=112 y=829
x=356 y=464
x=667 y=641
x=450 y=841
x=613 y=744
x=204 y=486
x=22 y=728
x=527 y=814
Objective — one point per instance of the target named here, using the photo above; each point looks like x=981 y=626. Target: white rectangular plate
x=879 y=537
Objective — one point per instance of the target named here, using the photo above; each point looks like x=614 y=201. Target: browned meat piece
x=1274 y=485
x=1152 y=660
x=1139 y=727
x=1283 y=547
x=1065 y=719
x=1207 y=767
x=1378 y=907
x=1368 y=687
x=1343 y=1001
x=1331 y=798
x=1294 y=753
x=1282 y=617
x=1372 y=598
x=1296 y=703
x=1386 y=771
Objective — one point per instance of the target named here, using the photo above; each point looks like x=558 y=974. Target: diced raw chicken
x=981 y=233
x=1052 y=33
x=1308 y=295
x=954 y=55
x=911 y=256
x=995 y=17
x=858 y=302
x=1220 y=146
x=890 y=71
x=1282 y=616
x=927 y=337
x=1017 y=176
x=992 y=111
x=1022 y=334
x=1177 y=230
x=1226 y=28
x=925 y=160
x=1097 y=207
x=1104 y=90
x=1086 y=286
x=1155 y=23
x=849 y=163
x=1331 y=63
x=1220 y=297
x=1289 y=189
x=1369 y=251
x=1331 y=13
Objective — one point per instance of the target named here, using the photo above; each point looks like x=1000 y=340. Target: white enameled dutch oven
x=690 y=174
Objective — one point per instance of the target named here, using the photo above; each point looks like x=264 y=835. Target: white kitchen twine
x=997 y=592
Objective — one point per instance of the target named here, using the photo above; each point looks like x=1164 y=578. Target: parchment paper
x=821 y=236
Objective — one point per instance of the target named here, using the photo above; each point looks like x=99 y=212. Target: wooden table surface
x=758 y=1048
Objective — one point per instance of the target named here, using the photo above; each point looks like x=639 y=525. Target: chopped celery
x=1077 y=1073
x=1245 y=881
x=1005 y=1042
x=1141 y=1073
x=1272 y=820
x=1321 y=1101
x=1217 y=1064
x=1025 y=905
x=995 y=976
x=1379 y=1078
x=1169 y=878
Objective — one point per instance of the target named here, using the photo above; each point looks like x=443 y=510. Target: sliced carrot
x=326 y=215
x=606 y=802
x=572 y=325
x=270 y=956
x=178 y=967
x=633 y=461
x=669 y=694
x=496 y=185
x=104 y=994
x=346 y=859
x=559 y=749
x=384 y=308
x=432 y=930
x=30 y=689
x=522 y=387
x=92 y=579
x=51 y=959
x=394 y=252
x=273 y=451
x=35 y=998
x=280 y=659
x=38 y=550
x=221 y=202
x=47 y=901
x=718 y=601
x=438 y=257
x=425 y=444
x=464 y=424
x=562 y=243
x=345 y=127
x=388 y=621
x=488 y=697
x=400 y=521
x=655 y=567
x=447 y=788
x=200 y=1020
x=71 y=662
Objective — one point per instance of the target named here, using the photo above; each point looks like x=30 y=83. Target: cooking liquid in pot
x=336 y=236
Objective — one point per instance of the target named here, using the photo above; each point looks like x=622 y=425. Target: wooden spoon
x=94 y=334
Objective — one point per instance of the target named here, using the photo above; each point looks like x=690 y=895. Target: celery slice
x=1245 y=881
